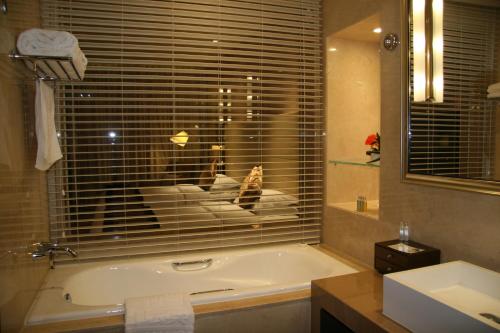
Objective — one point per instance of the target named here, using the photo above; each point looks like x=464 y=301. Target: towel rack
x=50 y=65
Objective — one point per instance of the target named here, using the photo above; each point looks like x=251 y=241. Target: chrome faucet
x=44 y=249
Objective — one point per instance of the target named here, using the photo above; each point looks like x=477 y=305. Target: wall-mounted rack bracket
x=49 y=67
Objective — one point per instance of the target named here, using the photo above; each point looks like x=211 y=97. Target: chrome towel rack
x=48 y=68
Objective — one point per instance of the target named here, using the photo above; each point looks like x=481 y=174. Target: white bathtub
x=100 y=289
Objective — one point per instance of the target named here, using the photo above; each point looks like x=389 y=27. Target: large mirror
x=451 y=124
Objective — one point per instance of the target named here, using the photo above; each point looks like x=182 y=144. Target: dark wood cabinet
x=390 y=257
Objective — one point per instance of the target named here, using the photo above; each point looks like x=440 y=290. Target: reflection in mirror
x=459 y=138
x=196 y=102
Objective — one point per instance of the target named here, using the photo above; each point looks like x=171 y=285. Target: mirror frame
x=469 y=185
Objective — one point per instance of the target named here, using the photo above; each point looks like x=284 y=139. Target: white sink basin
x=444 y=298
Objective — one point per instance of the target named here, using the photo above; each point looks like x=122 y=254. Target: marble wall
x=463 y=225
x=23 y=204
x=353 y=112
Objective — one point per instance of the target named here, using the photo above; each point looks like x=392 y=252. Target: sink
x=451 y=297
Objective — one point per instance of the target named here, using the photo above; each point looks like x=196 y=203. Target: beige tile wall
x=463 y=225
x=23 y=204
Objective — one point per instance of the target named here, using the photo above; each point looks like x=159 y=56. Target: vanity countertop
x=355 y=300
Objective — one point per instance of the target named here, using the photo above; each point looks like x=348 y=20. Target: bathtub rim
x=118 y=321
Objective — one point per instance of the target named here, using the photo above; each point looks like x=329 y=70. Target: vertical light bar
x=428 y=80
x=438 y=48
x=419 y=78
x=429 y=70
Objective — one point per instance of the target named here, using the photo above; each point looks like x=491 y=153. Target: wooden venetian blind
x=176 y=91
x=457 y=138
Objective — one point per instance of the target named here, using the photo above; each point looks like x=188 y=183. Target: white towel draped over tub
x=170 y=313
x=41 y=42
x=48 y=145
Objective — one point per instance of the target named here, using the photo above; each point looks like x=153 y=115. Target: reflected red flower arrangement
x=373 y=140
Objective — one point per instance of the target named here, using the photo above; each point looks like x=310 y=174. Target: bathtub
x=89 y=290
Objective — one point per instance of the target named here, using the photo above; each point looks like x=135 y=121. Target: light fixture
x=438 y=50
x=332 y=49
x=112 y=134
x=180 y=138
x=428 y=82
x=377 y=30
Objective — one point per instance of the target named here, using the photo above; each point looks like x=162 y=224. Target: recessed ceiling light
x=332 y=49
x=377 y=30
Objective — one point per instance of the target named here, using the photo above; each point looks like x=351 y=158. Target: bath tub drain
x=67 y=297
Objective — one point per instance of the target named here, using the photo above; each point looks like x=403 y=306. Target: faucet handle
x=45 y=245
x=41 y=249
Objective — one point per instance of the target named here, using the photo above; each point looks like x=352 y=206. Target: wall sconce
x=428 y=81
x=180 y=138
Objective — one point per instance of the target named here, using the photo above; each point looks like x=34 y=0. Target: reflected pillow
x=229 y=213
x=267 y=210
x=161 y=196
x=223 y=182
x=226 y=195
x=275 y=198
x=193 y=194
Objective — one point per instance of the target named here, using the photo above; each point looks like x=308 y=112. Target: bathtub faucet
x=44 y=249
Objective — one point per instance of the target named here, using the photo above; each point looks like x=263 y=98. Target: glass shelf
x=372 y=211
x=357 y=162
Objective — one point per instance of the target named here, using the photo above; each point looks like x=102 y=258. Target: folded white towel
x=494 y=87
x=48 y=145
x=170 y=313
x=40 y=42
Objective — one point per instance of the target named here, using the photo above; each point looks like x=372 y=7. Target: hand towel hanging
x=48 y=145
